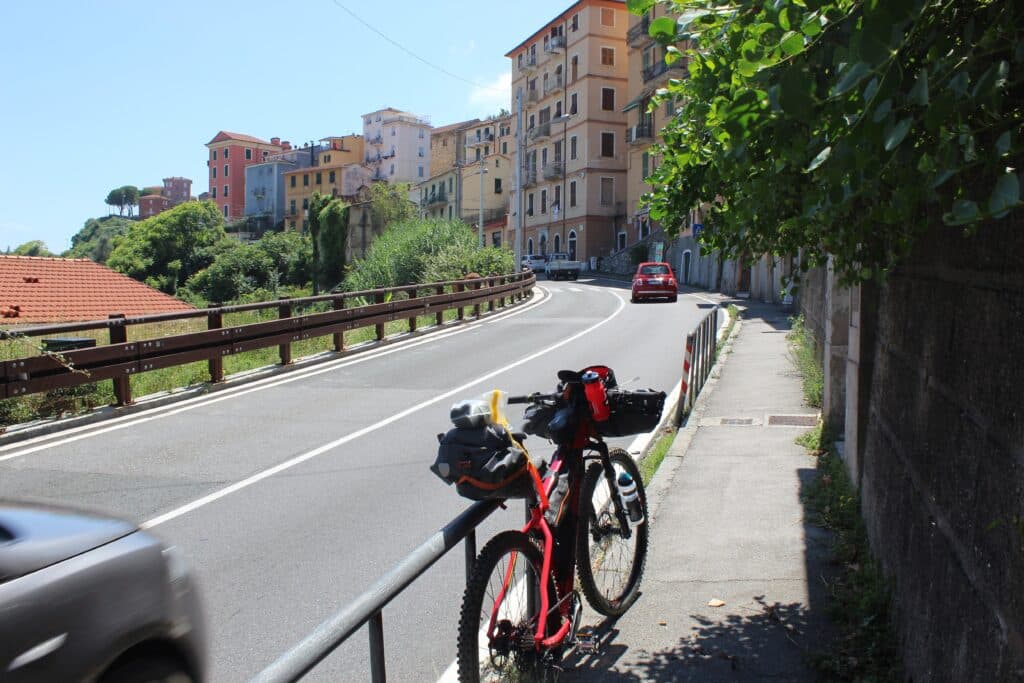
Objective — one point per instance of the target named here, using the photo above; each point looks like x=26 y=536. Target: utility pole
x=518 y=249
x=483 y=170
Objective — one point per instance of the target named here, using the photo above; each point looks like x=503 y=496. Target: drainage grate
x=737 y=421
x=793 y=420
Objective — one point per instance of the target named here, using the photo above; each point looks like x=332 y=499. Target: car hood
x=33 y=537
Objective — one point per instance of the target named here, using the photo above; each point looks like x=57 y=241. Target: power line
x=413 y=54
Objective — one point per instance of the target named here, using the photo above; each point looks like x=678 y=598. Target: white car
x=534 y=263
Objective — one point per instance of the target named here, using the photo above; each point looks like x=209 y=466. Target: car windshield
x=654 y=270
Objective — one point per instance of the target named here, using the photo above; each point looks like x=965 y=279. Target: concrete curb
x=664 y=476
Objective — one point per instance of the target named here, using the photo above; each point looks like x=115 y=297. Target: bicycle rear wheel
x=507 y=570
x=610 y=564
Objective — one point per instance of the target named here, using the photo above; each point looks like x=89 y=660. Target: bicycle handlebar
x=535 y=397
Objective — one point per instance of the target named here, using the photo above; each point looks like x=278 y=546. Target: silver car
x=88 y=598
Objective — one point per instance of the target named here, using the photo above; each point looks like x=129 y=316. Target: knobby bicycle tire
x=479 y=596
x=592 y=555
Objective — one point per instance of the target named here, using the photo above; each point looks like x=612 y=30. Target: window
x=543 y=201
x=644 y=164
x=607 y=17
x=265 y=154
x=529 y=246
x=225 y=209
x=575 y=68
x=331 y=177
x=422 y=135
x=504 y=148
x=607 y=144
x=572 y=193
x=248 y=154
x=291 y=224
x=607 y=56
x=226 y=169
x=226 y=188
x=293 y=181
x=449 y=211
x=558 y=151
x=557 y=204
x=478 y=154
x=214 y=155
x=572 y=147
x=213 y=172
x=529 y=205
x=213 y=193
x=532 y=122
x=305 y=180
x=496 y=239
x=392 y=169
x=572 y=245
x=392 y=132
x=608 y=99
x=544 y=157
x=319 y=178
x=487 y=150
x=305 y=203
x=226 y=153
x=497 y=186
x=291 y=210
x=558 y=243
x=620 y=241
x=558 y=108
x=519 y=61
x=607 y=191
x=327 y=158
x=572 y=104
x=422 y=152
x=576 y=22
x=449 y=184
x=419 y=171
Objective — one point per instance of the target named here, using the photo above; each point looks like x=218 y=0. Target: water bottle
x=630 y=498
x=593 y=387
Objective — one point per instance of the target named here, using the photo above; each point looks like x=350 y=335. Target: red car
x=654 y=280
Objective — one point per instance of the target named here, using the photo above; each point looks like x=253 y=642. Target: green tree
x=291 y=255
x=839 y=126
x=167 y=249
x=333 y=220
x=33 y=248
x=130 y=194
x=116 y=198
x=96 y=238
x=390 y=203
x=317 y=203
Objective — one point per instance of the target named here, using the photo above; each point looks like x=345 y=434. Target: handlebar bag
x=632 y=412
x=483 y=463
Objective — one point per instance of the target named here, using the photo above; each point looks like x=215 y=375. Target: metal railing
x=639 y=133
x=120 y=359
x=368 y=607
x=701 y=346
x=541 y=131
x=639 y=32
x=660 y=67
x=553 y=85
x=554 y=170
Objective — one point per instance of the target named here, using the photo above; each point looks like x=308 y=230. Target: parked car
x=533 y=262
x=654 y=280
x=559 y=267
x=88 y=598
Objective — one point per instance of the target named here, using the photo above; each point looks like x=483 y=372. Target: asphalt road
x=291 y=495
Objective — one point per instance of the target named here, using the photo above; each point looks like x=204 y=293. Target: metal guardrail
x=121 y=358
x=701 y=345
x=367 y=608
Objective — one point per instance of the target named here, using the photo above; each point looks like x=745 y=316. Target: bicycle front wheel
x=499 y=618
x=610 y=558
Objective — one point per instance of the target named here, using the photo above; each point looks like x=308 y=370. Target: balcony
x=533 y=95
x=434 y=198
x=640 y=134
x=554 y=85
x=480 y=139
x=529 y=63
x=529 y=177
x=541 y=132
x=555 y=45
x=660 y=67
x=554 y=170
x=639 y=34
x=379 y=140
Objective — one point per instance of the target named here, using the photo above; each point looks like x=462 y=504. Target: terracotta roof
x=41 y=290
x=224 y=136
x=453 y=126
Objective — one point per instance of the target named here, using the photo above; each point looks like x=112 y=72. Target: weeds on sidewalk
x=734 y=314
x=859 y=600
x=649 y=465
x=803 y=350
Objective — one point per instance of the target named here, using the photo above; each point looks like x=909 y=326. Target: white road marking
x=575 y=289
x=245 y=483
x=86 y=431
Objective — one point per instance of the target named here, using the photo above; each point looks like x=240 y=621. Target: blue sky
x=99 y=94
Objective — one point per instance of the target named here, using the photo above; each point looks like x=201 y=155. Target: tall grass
x=804 y=353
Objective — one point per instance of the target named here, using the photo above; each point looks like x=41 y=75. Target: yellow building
x=337 y=170
x=647 y=72
x=448 y=146
x=488 y=170
x=572 y=76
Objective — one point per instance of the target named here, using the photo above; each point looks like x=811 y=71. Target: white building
x=397 y=146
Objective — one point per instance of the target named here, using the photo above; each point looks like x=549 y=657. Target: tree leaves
x=820 y=159
x=851 y=77
x=919 y=93
x=1005 y=196
x=663 y=29
x=896 y=135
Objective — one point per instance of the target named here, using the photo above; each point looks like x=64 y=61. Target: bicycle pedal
x=587 y=643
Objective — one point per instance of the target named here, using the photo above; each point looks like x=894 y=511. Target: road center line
x=245 y=483
x=87 y=431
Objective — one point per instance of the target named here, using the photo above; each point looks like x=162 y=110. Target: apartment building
x=229 y=155
x=338 y=180
x=487 y=174
x=572 y=76
x=448 y=146
x=438 y=195
x=397 y=146
x=647 y=72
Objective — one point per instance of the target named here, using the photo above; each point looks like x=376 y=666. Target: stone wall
x=941 y=465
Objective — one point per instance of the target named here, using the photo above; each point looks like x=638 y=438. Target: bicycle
x=590 y=529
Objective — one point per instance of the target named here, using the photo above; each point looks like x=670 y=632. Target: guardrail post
x=439 y=320
x=215 y=321
x=379 y=298
x=490 y=302
x=339 y=337
x=376 y=628
x=284 y=310
x=684 y=386
x=122 y=385
x=412 y=320
x=477 y=286
x=459 y=288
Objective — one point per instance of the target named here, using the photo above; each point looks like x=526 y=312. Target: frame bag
x=483 y=463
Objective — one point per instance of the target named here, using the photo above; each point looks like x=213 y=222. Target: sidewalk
x=727 y=525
